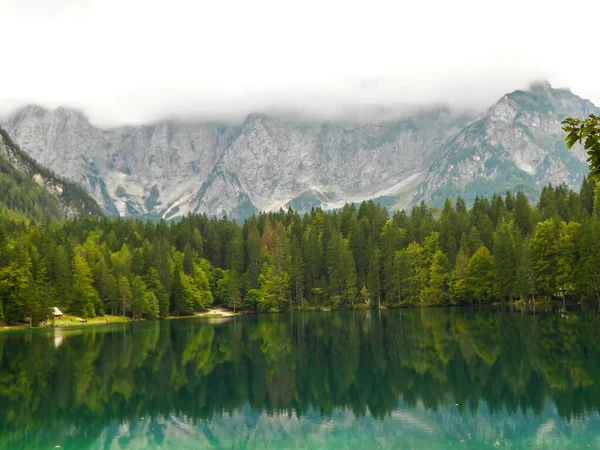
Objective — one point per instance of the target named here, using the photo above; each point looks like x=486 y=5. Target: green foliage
x=152 y=311
x=545 y=256
x=480 y=276
x=525 y=282
x=354 y=258
x=505 y=256
x=139 y=298
x=83 y=295
x=458 y=279
x=14 y=291
x=437 y=293
x=586 y=132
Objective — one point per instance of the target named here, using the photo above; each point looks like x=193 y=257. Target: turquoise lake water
x=409 y=379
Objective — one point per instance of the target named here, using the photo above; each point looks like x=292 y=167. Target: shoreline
x=223 y=313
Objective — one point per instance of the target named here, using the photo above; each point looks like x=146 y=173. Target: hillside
x=31 y=192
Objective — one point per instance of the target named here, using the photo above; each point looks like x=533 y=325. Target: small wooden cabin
x=57 y=313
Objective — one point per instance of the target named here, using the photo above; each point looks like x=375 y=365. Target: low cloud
x=141 y=61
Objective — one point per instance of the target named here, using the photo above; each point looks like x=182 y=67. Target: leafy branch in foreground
x=586 y=132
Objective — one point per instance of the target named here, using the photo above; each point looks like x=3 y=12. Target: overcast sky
x=135 y=61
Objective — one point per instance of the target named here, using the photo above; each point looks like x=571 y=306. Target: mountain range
x=268 y=162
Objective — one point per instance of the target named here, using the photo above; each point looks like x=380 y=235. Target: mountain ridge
x=172 y=168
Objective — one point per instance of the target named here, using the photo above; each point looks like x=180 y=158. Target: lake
x=398 y=379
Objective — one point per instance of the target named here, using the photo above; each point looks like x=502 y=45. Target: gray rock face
x=172 y=168
x=72 y=199
x=517 y=144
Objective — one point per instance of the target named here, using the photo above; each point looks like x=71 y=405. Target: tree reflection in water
x=297 y=364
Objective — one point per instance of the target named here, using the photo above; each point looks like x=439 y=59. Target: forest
x=499 y=250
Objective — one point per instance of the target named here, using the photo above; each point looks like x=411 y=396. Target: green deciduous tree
x=586 y=132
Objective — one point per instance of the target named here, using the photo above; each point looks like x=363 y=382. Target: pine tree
x=586 y=196
x=204 y=297
x=448 y=226
x=83 y=294
x=42 y=309
x=587 y=269
x=480 y=277
x=373 y=274
x=253 y=255
x=566 y=281
x=430 y=248
x=124 y=295
x=525 y=281
x=138 y=297
x=544 y=245
x=14 y=288
x=390 y=242
x=335 y=266
x=458 y=280
x=504 y=258
x=298 y=274
x=152 y=311
x=437 y=291
x=155 y=286
x=407 y=274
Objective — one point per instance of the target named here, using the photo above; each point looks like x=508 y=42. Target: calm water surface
x=430 y=379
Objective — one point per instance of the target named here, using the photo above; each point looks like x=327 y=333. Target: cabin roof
x=57 y=312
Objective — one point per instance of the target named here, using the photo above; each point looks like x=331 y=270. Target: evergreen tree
x=177 y=300
x=505 y=257
x=83 y=294
x=14 y=288
x=587 y=269
x=152 y=311
x=390 y=243
x=522 y=214
x=480 y=277
x=437 y=291
x=408 y=278
x=124 y=295
x=566 y=281
x=544 y=245
x=458 y=280
x=138 y=297
x=155 y=286
x=373 y=274
x=525 y=281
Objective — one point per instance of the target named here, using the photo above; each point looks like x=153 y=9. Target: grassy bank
x=68 y=321
x=74 y=321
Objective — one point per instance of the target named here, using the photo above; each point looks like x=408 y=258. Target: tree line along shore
x=499 y=250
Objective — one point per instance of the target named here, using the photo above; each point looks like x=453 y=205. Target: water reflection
x=435 y=377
